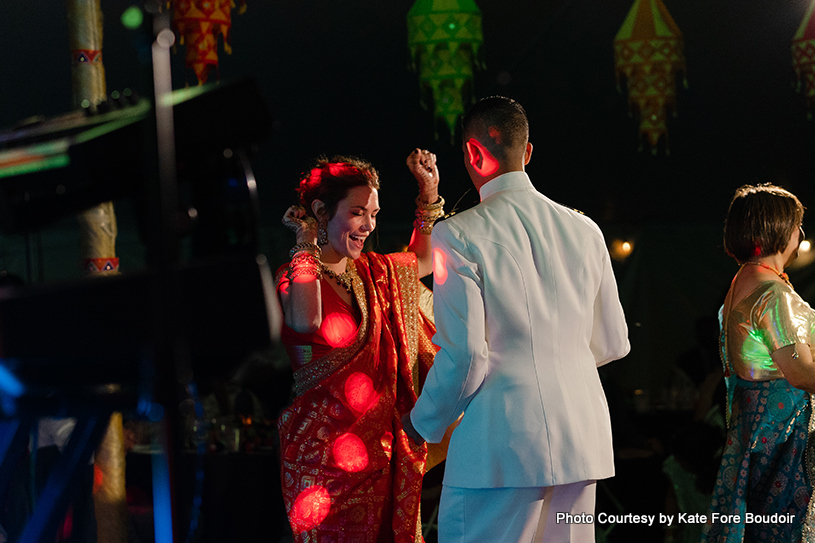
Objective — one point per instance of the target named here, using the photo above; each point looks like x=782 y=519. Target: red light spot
x=439 y=266
x=98 y=478
x=340 y=169
x=481 y=159
x=359 y=392
x=64 y=532
x=304 y=279
x=284 y=288
x=310 y=508
x=338 y=328
x=350 y=453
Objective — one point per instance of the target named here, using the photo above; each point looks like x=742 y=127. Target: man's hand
x=411 y=431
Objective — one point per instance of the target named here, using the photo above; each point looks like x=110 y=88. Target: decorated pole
x=803 y=56
x=648 y=51
x=98 y=249
x=444 y=38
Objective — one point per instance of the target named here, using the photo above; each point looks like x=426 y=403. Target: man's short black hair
x=505 y=116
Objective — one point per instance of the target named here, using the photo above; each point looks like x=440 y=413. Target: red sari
x=349 y=472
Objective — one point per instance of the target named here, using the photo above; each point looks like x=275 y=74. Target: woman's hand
x=300 y=299
x=797 y=365
x=303 y=225
x=422 y=165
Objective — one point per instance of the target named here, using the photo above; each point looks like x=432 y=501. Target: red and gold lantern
x=198 y=24
x=648 y=51
x=803 y=56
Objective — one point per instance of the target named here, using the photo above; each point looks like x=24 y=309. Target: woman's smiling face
x=353 y=221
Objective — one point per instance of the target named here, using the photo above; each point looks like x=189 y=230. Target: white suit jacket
x=526 y=308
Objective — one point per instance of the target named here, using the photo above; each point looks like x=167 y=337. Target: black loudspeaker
x=51 y=169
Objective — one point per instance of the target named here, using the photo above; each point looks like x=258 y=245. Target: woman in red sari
x=360 y=347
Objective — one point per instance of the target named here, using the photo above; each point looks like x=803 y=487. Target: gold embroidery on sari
x=301 y=355
x=809 y=466
x=406 y=271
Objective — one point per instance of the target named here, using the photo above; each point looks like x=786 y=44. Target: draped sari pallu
x=349 y=472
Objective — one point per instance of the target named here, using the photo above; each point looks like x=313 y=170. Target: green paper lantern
x=444 y=38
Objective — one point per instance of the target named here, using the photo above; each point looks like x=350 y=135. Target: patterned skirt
x=763 y=489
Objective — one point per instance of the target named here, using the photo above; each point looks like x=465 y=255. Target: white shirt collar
x=507 y=181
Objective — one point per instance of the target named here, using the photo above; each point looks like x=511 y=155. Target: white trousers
x=510 y=515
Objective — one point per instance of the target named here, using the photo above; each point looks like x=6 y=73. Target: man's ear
x=527 y=153
x=480 y=158
x=474 y=156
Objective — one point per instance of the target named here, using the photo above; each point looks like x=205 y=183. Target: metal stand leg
x=56 y=496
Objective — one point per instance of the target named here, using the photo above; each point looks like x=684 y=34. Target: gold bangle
x=435 y=206
x=306 y=246
x=423 y=227
x=427 y=215
x=302 y=263
x=302 y=258
x=314 y=272
x=424 y=223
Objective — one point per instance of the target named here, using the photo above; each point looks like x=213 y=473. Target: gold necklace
x=344 y=279
x=784 y=277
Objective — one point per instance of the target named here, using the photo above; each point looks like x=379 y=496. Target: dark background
x=336 y=76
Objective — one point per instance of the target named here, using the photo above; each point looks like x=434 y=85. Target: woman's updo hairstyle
x=329 y=181
x=760 y=221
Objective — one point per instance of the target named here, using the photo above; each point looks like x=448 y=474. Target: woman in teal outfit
x=764 y=488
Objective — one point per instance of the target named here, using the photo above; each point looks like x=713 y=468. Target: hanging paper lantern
x=803 y=56
x=198 y=24
x=444 y=38
x=648 y=52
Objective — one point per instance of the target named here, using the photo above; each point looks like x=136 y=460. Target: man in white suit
x=526 y=308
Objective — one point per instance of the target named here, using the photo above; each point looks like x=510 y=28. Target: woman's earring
x=322 y=234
